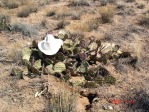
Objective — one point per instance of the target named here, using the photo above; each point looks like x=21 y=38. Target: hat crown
x=49 y=38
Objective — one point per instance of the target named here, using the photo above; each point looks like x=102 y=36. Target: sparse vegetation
x=79 y=3
x=105 y=2
x=130 y=0
x=62 y=12
x=11 y=4
x=62 y=102
x=144 y=20
x=25 y=29
x=26 y=11
x=107 y=13
x=4 y=21
x=62 y=24
x=51 y=12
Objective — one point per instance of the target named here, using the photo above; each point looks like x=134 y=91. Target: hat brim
x=55 y=45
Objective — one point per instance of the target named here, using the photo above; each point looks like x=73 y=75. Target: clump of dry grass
x=62 y=102
x=12 y=54
x=105 y=2
x=62 y=12
x=25 y=29
x=78 y=27
x=4 y=21
x=25 y=2
x=137 y=46
x=79 y=3
x=88 y=23
x=130 y=0
x=51 y=12
x=107 y=12
x=76 y=15
x=144 y=20
x=11 y=4
x=62 y=24
x=26 y=11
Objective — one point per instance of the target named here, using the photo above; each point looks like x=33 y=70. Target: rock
x=110 y=107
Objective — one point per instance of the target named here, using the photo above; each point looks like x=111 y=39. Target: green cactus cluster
x=77 y=57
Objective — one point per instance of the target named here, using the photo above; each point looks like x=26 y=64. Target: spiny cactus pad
x=59 y=67
x=26 y=53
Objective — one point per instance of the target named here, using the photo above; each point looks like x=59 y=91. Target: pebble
x=110 y=107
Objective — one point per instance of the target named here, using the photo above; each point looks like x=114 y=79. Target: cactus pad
x=59 y=67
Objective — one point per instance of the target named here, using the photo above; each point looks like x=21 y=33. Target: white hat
x=50 y=45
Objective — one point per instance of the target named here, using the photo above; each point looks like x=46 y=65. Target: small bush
x=144 y=20
x=79 y=3
x=25 y=29
x=25 y=12
x=107 y=13
x=4 y=21
x=11 y=4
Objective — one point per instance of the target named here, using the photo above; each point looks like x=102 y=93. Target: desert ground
x=122 y=22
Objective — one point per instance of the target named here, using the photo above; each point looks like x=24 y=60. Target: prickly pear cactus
x=59 y=67
x=37 y=64
x=50 y=69
x=60 y=56
x=78 y=57
x=63 y=35
x=83 y=67
x=17 y=72
x=26 y=53
x=93 y=46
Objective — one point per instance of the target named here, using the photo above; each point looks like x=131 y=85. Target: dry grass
x=105 y=2
x=50 y=12
x=62 y=24
x=26 y=11
x=25 y=29
x=4 y=21
x=137 y=46
x=62 y=12
x=130 y=0
x=79 y=3
x=14 y=55
x=78 y=27
x=11 y=4
x=144 y=20
x=62 y=102
x=107 y=12
x=88 y=23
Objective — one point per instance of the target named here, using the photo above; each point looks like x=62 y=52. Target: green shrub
x=25 y=29
x=4 y=21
